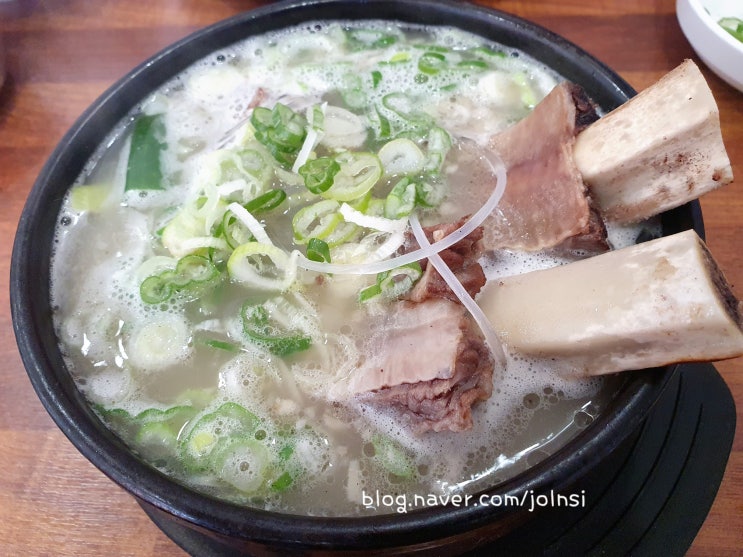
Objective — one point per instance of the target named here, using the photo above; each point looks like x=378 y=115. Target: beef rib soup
x=265 y=281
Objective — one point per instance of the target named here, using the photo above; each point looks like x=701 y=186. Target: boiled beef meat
x=428 y=360
x=545 y=201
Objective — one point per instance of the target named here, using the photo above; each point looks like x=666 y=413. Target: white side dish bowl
x=717 y=48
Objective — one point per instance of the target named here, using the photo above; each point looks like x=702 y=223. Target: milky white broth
x=173 y=363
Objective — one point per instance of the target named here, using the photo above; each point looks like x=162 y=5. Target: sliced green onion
x=376 y=78
x=385 y=129
x=233 y=231
x=177 y=414
x=396 y=282
x=266 y=202
x=155 y=289
x=431 y=63
x=364 y=39
x=192 y=274
x=399 y=103
x=143 y=171
x=401 y=156
x=400 y=202
x=342 y=233
x=352 y=89
x=262 y=118
x=318 y=174
x=243 y=462
x=263 y=267
x=433 y=48
x=488 y=52
x=358 y=174
x=192 y=226
x=90 y=197
x=159 y=343
x=286 y=452
x=399 y=58
x=439 y=142
x=363 y=203
x=282 y=483
x=194 y=269
x=316 y=116
x=258 y=328
x=369 y=293
x=393 y=457
x=392 y=284
x=478 y=65
x=406 y=108
x=222 y=345
x=117 y=419
x=199 y=445
x=157 y=436
x=281 y=130
x=344 y=130
x=255 y=165
x=156 y=440
x=374 y=207
x=318 y=250
x=316 y=221
x=429 y=194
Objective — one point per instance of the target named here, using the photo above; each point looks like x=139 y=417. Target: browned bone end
x=730 y=303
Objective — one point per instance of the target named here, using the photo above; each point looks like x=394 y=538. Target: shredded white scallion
x=231 y=187
x=212 y=209
x=306 y=150
x=369 y=221
x=190 y=245
x=250 y=222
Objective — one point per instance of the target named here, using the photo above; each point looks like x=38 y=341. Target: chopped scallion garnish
x=259 y=328
x=318 y=250
x=318 y=174
x=143 y=170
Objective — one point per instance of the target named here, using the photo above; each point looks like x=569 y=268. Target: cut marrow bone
x=657 y=151
x=647 y=305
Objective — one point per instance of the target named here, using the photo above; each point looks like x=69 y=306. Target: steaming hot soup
x=283 y=248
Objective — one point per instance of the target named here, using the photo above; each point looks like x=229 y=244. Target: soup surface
x=233 y=254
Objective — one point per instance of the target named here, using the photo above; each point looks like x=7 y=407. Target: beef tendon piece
x=657 y=151
x=429 y=361
x=545 y=201
x=651 y=304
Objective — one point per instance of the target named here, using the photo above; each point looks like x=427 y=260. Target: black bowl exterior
x=252 y=530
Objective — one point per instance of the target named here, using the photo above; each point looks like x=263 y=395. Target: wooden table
x=62 y=54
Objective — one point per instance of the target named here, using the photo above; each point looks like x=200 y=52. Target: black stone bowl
x=446 y=530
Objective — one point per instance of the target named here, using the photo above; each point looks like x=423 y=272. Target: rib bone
x=647 y=305
x=657 y=151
